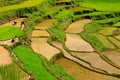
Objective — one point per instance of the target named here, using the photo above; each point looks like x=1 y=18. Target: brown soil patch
x=118 y=37
x=77 y=26
x=114 y=56
x=36 y=33
x=80 y=73
x=76 y=43
x=4 y=56
x=40 y=45
x=45 y=24
x=97 y=62
x=19 y=20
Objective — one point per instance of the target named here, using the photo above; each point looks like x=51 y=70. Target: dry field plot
x=45 y=24
x=4 y=56
x=76 y=43
x=77 y=26
x=36 y=33
x=18 y=20
x=118 y=37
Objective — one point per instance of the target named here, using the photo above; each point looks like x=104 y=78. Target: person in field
x=22 y=25
x=15 y=22
x=13 y=39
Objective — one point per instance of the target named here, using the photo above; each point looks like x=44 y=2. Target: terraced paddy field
x=60 y=40
x=79 y=72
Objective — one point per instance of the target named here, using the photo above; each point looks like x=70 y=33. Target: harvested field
x=40 y=45
x=76 y=43
x=80 y=73
x=114 y=56
x=98 y=62
x=45 y=24
x=77 y=26
x=36 y=33
x=25 y=78
x=4 y=56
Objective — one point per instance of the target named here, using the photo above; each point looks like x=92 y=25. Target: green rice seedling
x=11 y=72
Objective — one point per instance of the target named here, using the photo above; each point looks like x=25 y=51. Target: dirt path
x=80 y=73
x=4 y=56
x=76 y=43
x=77 y=26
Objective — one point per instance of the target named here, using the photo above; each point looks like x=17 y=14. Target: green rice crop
x=107 y=30
x=33 y=63
x=102 y=5
x=11 y=72
x=8 y=32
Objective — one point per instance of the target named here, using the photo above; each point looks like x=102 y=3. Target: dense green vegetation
x=8 y=32
x=112 y=5
x=11 y=72
x=33 y=63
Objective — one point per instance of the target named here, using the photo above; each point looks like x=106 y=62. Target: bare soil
x=80 y=73
x=18 y=20
x=4 y=56
x=77 y=26
x=76 y=43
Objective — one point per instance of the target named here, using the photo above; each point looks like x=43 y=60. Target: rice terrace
x=59 y=40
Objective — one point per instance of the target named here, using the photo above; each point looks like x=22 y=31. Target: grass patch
x=11 y=72
x=104 y=41
x=112 y=5
x=114 y=41
x=92 y=27
x=107 y=30
x=8 y=32
x=94 y=41
x=33 y=63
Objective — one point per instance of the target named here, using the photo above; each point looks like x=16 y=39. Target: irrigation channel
x=76 y=45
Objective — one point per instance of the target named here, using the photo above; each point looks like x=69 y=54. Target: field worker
x=13 y=39
x=15 y=22
x=22 y=25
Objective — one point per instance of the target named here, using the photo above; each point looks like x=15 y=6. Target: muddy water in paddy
x=98 y=62
x=80 y=73
x=113 y=56
x=76 y=43
x=77 y=26
x=45 y=24
x=4 y=56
